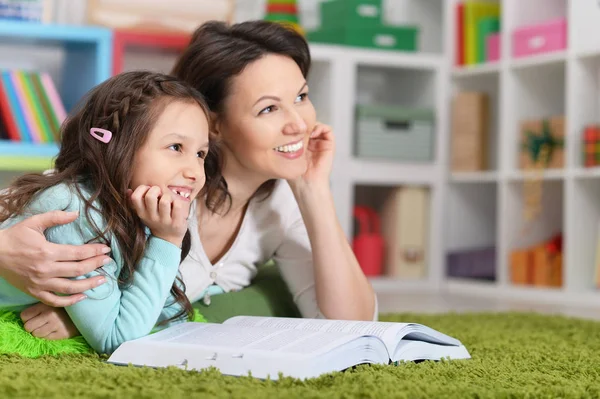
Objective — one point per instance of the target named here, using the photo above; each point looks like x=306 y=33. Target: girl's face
x=267 y=119
x=172 y=157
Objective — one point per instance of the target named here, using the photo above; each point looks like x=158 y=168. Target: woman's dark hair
x=219 y=52
x=128 y=105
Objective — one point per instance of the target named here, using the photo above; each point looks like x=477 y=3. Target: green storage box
x=394 y=133
x=383 y=37
x=361 y=14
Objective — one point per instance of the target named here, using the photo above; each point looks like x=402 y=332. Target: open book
x=300 y=348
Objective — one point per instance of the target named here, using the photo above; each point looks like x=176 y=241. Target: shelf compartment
x=535 y=228
x=86 y=53
x=585 y=221
x=395 y=115
x=585 y=73
x=403 y=213
x=539 y=94
x=471 y=231
x=134 y=50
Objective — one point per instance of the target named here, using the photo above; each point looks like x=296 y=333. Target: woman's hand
x=44 y=321
x=319 y=156
x=165 y=216
x=43 y=269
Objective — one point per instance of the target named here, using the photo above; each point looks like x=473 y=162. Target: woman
x=273 y=198
x=268 y=191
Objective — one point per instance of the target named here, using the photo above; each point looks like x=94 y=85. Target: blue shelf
x=88 y=53
x=18 y=149
x=50 y=32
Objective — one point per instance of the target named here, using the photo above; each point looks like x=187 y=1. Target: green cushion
x=268 y=295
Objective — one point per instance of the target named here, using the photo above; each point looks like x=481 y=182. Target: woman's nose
x=296 y=125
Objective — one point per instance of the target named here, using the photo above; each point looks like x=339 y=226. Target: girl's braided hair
x=128 y=105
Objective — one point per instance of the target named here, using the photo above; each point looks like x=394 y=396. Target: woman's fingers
x=76 y=269
x=58 y=301
x=74 y=253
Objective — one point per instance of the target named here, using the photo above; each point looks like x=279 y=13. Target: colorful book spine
x=7 y=118
x=15 y=108
x=31 y=110
x=32 y=130
x=460 y=36
x=475 y=21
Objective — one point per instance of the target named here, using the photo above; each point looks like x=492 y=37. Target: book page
x=232 y=337
x=387 y=332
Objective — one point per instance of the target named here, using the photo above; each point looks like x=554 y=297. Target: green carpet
x=514 y=355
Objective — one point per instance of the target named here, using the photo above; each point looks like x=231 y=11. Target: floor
x=443 y=303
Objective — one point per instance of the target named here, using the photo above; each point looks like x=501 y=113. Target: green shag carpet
x=514 y=355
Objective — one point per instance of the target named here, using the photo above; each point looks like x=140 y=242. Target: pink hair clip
x=105 y=136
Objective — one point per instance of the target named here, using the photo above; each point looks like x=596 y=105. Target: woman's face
x=267 y=119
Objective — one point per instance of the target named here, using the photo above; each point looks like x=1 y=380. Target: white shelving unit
x=485 y=208
x=344 y=76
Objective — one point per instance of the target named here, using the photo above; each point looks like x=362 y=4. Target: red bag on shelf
x=368 y=244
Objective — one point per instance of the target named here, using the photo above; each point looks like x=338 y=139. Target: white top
x=271 y=229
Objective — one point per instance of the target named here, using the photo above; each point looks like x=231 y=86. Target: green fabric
x=266 y=296
x=514 y=355
x=16 y=340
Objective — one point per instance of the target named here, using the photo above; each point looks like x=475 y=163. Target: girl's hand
x=44 y=321
x=165 y=216
x=319 y=156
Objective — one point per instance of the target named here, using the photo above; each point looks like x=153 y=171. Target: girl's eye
x=267 y=110
x=175 y=147
x=301 y=97
x=202 y=154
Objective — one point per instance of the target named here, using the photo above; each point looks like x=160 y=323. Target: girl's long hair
x=128 y=105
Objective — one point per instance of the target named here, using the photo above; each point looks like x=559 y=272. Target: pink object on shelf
x=493 y=47
x=540 y=38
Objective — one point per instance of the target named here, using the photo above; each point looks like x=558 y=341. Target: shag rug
x=514 y=355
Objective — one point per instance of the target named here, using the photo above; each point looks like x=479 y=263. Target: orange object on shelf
x=540 y=266
x=520 y=267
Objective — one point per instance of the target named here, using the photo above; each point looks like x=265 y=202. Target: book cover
x=474 y=11
x=8 y=119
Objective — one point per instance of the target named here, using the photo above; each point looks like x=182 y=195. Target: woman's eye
x=267 y=110
x=175 y=147
x=301 y=97
x=202 y=154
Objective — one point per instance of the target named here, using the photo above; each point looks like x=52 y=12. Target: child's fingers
x=32 y=312
x=36 y=322
x=180 y=211
x=137 y=200
x=44 y=330
x=164 y=208
x=151 y=202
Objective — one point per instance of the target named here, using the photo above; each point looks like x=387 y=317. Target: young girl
x=131 y=161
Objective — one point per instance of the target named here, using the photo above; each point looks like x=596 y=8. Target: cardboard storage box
x=535 y=134
x=470 y=121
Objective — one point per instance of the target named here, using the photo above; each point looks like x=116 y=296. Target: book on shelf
x=266 y=347
x=31 y=110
